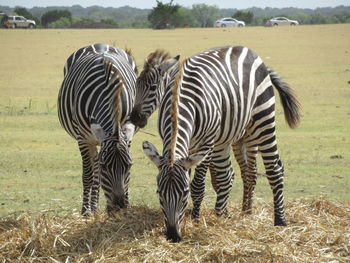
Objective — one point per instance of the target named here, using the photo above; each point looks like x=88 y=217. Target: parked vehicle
x=281 y=21
x=228 y=22
x=18 y=22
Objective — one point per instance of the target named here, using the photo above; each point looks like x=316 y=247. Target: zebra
x=222 y=97
x=158 y=72
x=95 y=99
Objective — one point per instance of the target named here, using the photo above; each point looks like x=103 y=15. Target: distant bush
x=109 y=21
x=54 y=15
x=63 y=22
x=91 y=24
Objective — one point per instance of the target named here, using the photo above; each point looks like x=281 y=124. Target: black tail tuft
x=290 y=103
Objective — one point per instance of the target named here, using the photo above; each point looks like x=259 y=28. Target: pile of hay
x=318 y=231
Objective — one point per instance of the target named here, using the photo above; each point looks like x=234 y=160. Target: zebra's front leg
x=221 y=178
x=198 y=187
x=88 y=153
x=95 y=193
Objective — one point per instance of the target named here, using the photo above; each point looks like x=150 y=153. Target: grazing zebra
x=150 y=85
x=159 y=72
x=95 y=99
x=222 y=97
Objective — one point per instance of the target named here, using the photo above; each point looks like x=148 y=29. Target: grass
x=40 y=164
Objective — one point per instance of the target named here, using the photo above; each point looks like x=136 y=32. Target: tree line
x=170 y=15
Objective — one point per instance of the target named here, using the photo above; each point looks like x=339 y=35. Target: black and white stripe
x=94 y=102
x=225 y=97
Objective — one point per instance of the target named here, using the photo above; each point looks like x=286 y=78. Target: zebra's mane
x=155 y=59
x=114 y=79
x=117 y=100
x=128 y=51
x=174 y=112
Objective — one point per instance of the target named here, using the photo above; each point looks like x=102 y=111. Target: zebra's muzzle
x=172 y=234
x=137 y=118
x=119 y=202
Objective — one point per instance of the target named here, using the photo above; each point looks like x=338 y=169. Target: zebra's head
x=159 y=71
x=173 y=188
x=115 y=163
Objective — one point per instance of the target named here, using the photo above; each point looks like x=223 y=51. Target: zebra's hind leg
x=246 y=158
x=88 y=153
x=95 y=193
x=275 y=171
x=198 y=187
x=222 y=175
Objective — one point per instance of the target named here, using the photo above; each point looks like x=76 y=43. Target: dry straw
x=318 y=231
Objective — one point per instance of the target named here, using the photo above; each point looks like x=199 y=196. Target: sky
x=143 y=4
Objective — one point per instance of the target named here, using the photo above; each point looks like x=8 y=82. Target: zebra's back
x=85 y=96
x=219 y=90
x=97 y=49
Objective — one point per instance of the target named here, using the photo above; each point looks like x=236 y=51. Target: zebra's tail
x=290 y=103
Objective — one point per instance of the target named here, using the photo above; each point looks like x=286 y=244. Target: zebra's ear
x=192 y=160
x=169 y=64
x=98 y=132
x=129 y=130
x=151 y=152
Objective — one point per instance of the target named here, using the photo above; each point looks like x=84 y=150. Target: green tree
x=247 y=16
x=183 y=18
x=302 y=18
x=54 y=15
x=164 y=15
x=205 y=15
x=23 y=12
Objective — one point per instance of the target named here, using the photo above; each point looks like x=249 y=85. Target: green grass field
x=40 y=165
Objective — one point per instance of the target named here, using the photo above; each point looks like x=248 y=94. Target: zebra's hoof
x=85 y=212
x=221 y=213
x=195 y=215
x=280 y=221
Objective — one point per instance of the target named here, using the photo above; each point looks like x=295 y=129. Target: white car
x=281 y=21
x=228 y=22
x=20 y=21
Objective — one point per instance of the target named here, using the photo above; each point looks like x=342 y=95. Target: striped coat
x=94 y=102
x=223 y=97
